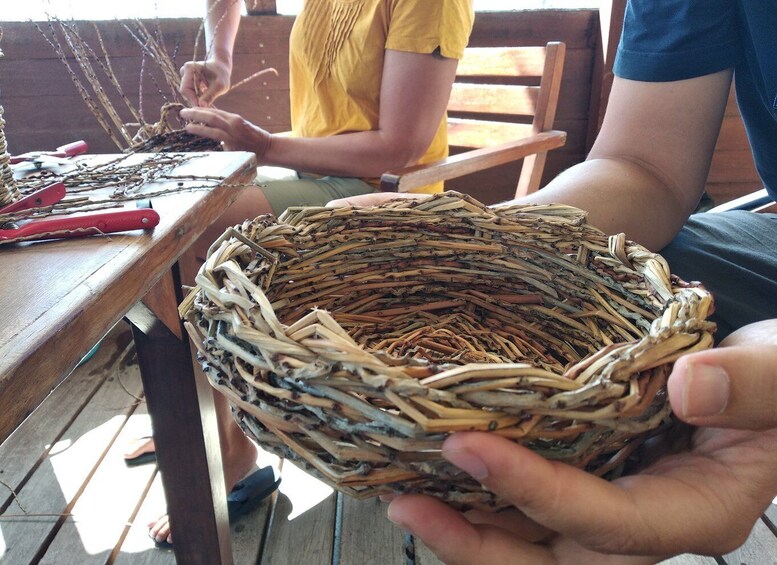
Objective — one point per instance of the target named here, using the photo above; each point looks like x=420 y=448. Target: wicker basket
x=353 y=341
x=9 y=192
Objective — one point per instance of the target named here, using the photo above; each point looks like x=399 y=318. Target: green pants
x=309 y=190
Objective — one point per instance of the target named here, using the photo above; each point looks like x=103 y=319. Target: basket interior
x=464 y=293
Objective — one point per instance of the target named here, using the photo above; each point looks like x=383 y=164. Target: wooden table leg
x=185 y=431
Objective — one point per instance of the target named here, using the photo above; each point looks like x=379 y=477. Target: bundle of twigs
x=166 y=136
x=94 y=185
x=94 y=78
x=353 y=341
x=177 y=141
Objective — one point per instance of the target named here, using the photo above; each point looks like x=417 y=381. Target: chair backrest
x=503 y=94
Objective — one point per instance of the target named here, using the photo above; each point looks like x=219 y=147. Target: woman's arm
x=414 y=93
x=203 y=82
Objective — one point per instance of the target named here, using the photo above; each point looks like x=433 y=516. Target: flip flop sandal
x=142 y=458
x=245 y=496
x=249 y=493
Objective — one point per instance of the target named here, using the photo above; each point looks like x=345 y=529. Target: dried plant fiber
x=354 y=340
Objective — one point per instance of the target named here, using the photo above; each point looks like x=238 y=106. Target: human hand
x=732 y=386
x=705 y=500
x=373 y=199
x=204 y=81
x=235 y=132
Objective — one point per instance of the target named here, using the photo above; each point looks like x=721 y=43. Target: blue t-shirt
x=665 y=40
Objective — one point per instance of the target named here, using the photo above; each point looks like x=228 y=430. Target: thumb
x=729 y=387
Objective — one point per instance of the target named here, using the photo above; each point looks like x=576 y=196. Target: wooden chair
x=501 y=108
x=758 y=201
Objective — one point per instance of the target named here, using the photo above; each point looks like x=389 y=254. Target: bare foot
x=239 y=459
x=139 y=446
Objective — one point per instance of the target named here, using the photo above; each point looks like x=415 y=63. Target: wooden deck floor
x=76 y=502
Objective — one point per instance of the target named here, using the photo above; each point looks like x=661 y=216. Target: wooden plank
x=186 y=437
x=723 y=192
x=44 y=113
x=732 y=166
x=21 y=40
x=732 y=135
x=760 y=548
x=137 y=548
x=478 y=133
x=368 y=537
x=473 y=161
x=514 y=100
x=29 y=445
x=690 y=559
x=501 y=61
x=607 y=34
x=110 y=499
x=127 y=266
x=498 y=184
x=534 y=27
x=59 y=482
x=47 y=77
x=732 y=107
x=770 y=516
x=424 y=555
x=257 y=7
x=247 y=531
x=302 y=526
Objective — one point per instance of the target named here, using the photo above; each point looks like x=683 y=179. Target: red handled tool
x=46 y=196
x=71 y=226
x=84 y=224
x=38 y=157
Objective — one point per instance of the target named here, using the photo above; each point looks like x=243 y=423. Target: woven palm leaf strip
x=353 y=341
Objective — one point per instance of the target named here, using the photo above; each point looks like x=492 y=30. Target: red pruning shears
x=71 y=226
x=37 y=158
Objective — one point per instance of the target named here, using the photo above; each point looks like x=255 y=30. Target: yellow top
x=336 y=62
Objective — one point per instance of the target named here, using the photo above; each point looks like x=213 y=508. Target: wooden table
x=59 y=298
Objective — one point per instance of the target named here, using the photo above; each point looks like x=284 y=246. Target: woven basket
x=9 y=192
x=353 y=341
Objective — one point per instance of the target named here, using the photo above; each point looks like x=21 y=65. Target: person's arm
x=647 y=169
x=415 y=88
x=204 y=81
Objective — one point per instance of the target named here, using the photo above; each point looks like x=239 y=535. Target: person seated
x=644 y=177
x=369 y=85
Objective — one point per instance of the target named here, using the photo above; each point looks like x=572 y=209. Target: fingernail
x=468 y=462
x=397 y=519
x=705 y=391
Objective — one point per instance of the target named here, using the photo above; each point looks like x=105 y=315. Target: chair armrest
x=754 y=201
x=404 y=180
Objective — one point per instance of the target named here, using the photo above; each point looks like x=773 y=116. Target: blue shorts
x=734 y=254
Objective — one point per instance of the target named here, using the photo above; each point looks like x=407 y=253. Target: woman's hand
x=705 y=500
x=235 y=132
x=204 y=81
